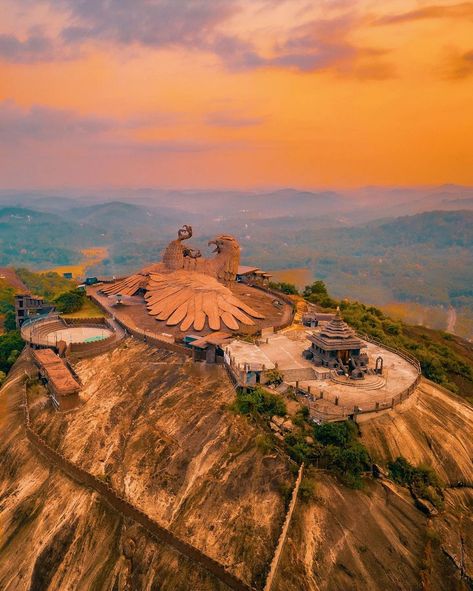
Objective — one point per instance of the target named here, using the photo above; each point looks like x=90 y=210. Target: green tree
x=288 y=288
x=11 y=344
x=70 y=301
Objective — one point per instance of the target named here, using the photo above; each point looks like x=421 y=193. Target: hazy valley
x=414 y=258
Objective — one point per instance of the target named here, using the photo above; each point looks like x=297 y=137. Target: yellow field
x=412 y=313
x=91 y=256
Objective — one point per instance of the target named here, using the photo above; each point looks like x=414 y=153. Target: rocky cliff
x=376 y=538
x=159 y=430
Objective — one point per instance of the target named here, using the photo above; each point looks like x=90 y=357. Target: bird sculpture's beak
x=217 y=248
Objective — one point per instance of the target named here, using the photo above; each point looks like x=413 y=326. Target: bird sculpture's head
x=184 y=233
x=228 y=257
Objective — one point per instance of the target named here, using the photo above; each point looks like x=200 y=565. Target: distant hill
x=424 y=258
x=31 y=237
x=439 y=229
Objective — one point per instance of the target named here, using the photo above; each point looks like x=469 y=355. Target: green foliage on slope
x=421 y=480
x=48 y=285
x=11 y=345
x=259 y=401
x=287 y=288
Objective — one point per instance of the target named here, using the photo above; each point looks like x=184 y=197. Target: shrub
x=307 y=489
x=264 y=443
x=421 y=480
x=340 y=434
x=10 y=321
x=70 y=301
x=274 y=377
x=259 y=401
x=11 y=344
x=287 y=288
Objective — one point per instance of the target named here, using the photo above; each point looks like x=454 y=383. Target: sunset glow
x=233 y=93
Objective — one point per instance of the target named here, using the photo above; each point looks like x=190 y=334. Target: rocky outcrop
x=380 y=537
x=157 y=429
x=159 y=432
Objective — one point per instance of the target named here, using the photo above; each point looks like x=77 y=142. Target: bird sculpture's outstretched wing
x=190 y=299
x=128 y=286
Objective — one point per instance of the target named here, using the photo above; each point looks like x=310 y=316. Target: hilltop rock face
x=376 y=539
x=158 y=429
x=434 y=428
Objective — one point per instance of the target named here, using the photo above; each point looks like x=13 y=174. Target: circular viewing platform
x=82 y=336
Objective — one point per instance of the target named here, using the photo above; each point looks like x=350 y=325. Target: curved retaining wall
x=44 y=326
x=127 y=509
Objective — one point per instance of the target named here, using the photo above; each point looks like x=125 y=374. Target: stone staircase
x=370 y=382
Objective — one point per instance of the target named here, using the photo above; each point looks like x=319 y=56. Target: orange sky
x=234 y=93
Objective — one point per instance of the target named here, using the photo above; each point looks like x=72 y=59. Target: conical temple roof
x=337 y=335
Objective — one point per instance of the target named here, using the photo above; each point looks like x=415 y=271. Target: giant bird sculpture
x=188 y=290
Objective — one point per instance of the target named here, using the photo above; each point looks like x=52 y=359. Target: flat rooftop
x=242 y=353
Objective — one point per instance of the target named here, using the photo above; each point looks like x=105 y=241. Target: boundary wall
x=284 y=531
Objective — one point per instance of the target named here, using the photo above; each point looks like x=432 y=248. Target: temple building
x=337 y=347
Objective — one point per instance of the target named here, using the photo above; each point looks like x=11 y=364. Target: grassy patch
x=88 y=310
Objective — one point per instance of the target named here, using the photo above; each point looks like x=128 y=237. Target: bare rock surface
x=376 y=539
x=434 y=429
x=159 y=429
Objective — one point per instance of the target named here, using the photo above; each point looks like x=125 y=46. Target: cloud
x=34 y=48
x=160 y=23
x=42 y=123
x=320 y=45
x=202 y=25
x=460 y=66
x=44 y=126
x=156 y=24
x=231 y=119
x=463 y=10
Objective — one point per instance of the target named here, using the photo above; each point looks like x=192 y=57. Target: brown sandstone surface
x=435 y=428
x=158 y=429
x=376 y=538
